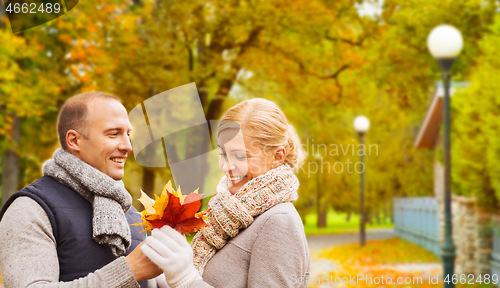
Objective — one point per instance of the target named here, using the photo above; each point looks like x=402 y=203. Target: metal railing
x=416 y=220
x=495 y=254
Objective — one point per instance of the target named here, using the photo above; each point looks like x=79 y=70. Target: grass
x=336 y=224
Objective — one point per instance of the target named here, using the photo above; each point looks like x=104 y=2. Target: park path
x=317 y=243
x=320 y=265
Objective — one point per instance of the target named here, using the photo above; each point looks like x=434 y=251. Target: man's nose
x=125 y=145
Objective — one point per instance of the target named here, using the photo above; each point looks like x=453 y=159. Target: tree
x=24 y=63
x=475 y=127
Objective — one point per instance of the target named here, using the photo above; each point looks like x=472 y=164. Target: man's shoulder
x=25 y=206
x=24 y=212
x=43 y=183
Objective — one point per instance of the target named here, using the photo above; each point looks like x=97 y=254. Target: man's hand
x=141 y=266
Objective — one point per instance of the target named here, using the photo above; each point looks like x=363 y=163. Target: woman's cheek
x=243 y=166
x=255 y=168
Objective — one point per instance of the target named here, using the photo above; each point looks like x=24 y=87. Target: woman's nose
x=228 y=166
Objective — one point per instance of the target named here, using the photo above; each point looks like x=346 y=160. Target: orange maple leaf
x=173 y=209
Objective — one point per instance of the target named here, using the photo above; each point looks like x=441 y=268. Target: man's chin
x=117 y=176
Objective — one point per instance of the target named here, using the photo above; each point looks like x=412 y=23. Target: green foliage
x=476 y=126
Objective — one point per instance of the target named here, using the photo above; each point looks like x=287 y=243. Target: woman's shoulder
x=282 y=215
x=282 y=208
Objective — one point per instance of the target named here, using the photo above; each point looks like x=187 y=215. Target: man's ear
x=73 y=140
x=279 y=156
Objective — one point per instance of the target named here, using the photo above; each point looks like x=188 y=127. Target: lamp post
x=361 y=125
x=445 y=43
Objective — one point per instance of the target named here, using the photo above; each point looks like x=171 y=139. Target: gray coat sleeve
x=28 y=255
x=285 y=264
x=200 y=284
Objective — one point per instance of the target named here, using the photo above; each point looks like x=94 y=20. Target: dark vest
x=71 y=218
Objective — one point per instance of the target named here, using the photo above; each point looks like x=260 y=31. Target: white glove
x=169 y=250
x=158 y=282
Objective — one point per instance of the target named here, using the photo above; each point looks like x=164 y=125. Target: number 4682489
x=32 y=8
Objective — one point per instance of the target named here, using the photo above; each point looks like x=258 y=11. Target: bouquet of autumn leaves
x=173 y=209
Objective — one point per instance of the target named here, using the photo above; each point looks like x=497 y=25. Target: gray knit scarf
x=108 y=197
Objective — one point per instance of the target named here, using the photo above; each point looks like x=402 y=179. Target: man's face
x=108 y=144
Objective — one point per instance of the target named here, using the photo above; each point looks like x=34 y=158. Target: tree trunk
x=368 y=217
x=148 y=181
x=10 y=167
x=388 y=213
x=215 y=107
x=348 y=217
x=377 y=217
x=322 y=219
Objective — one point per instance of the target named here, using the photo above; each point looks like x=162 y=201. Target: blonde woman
x=255 y=237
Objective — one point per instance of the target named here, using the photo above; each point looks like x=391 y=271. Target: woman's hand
x=169 y=250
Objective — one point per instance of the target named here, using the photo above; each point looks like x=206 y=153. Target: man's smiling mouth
x=118 y=159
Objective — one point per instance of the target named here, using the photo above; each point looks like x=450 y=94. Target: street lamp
x=445 y=43
x=361 y=125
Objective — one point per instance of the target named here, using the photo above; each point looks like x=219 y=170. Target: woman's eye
x=222 y=154
x=239 y=157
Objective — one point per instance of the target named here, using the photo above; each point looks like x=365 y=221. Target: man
x=70 y=228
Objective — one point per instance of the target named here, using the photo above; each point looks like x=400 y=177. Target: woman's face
x=241 y=160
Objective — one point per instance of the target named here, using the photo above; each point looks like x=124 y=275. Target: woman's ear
x=279 y=156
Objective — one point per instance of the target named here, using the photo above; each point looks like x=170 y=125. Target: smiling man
x=70 y=228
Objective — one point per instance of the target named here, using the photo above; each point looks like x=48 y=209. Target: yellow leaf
x=147 y=203
x=168 y=188
x=160 y=204
x=179 y=195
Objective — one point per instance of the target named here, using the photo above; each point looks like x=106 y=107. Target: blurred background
x=323 y=62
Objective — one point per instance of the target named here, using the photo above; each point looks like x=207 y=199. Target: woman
x=254 y=237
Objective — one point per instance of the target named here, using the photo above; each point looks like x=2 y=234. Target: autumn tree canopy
x=323 y=62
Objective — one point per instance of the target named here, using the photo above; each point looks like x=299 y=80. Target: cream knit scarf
x=108 y=197
x=230 y=213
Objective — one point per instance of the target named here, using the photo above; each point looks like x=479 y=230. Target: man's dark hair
x=75 y=115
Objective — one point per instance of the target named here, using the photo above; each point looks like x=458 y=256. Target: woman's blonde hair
x=266 y=126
